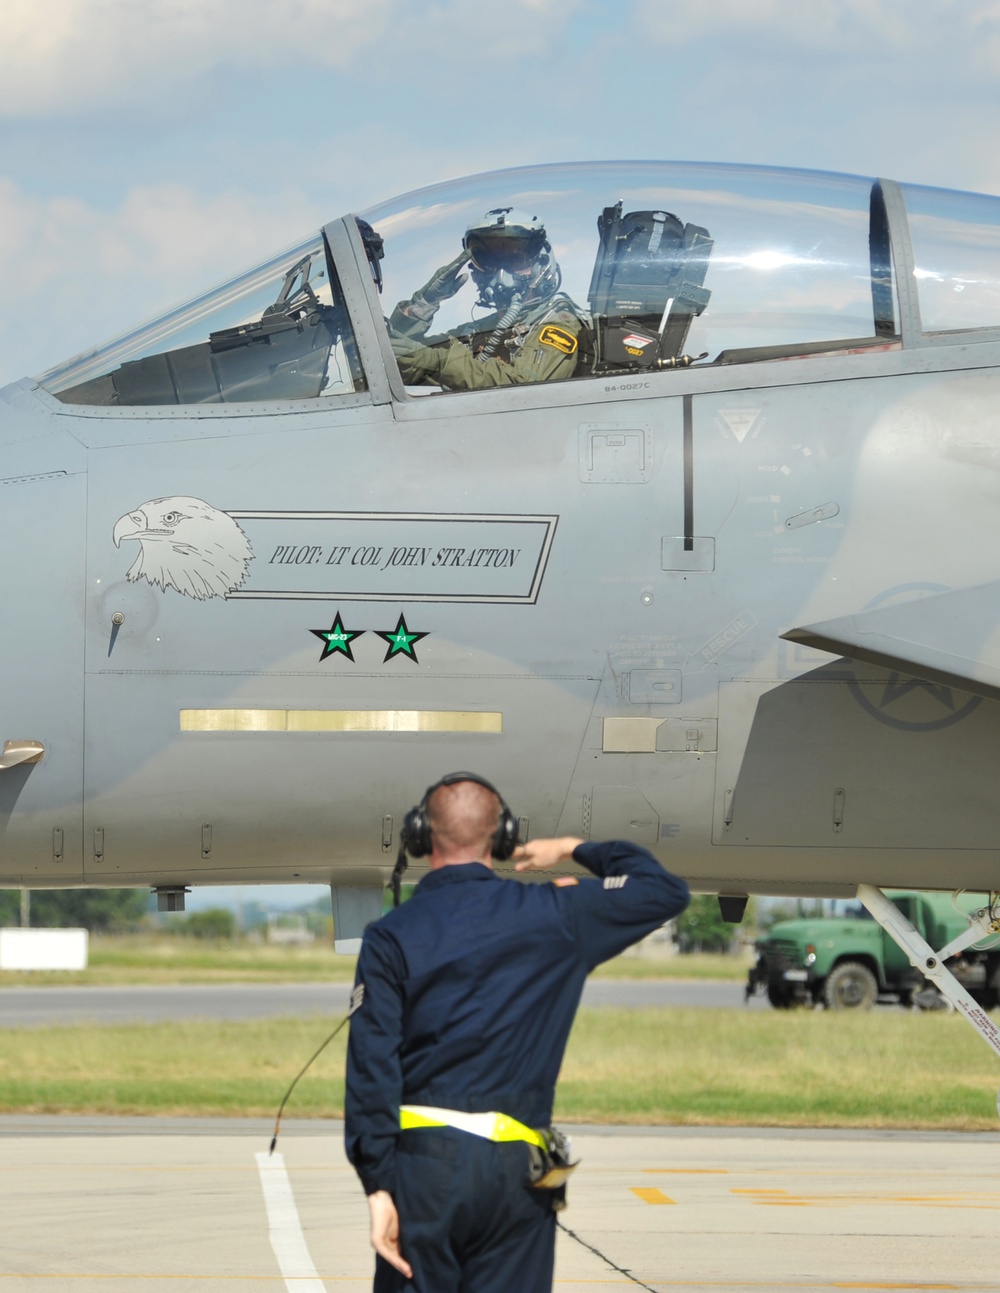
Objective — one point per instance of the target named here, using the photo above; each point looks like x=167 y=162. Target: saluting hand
x=539 y=855
x=385 y=1231
x=446 y=281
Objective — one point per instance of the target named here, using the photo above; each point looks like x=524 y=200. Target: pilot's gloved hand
x=446 y=281
x=416 y=361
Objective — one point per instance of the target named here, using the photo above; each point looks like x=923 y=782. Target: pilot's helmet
x=510 y=253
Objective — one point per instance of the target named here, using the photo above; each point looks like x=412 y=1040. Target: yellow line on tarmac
x=688 y=1171
x=651 y=1195
x=973 y=1202
x=863 y=1285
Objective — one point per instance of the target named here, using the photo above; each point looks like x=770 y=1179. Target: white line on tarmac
x=285 y=1228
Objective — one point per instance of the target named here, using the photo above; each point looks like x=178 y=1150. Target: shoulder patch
x=615 y=881
x=357 y=996
x=564 y=881
x=558 y=338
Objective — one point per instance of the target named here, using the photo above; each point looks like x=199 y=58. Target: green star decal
x=401 y=641
x=337 y=639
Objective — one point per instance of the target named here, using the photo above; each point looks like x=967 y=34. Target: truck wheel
x=850 y=986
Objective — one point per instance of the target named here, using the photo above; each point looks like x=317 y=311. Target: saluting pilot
x=532 y=333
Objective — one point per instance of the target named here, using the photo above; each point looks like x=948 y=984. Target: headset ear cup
x=505 y=839
x=416 y=833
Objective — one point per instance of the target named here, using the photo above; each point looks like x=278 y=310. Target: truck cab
x=848 y=962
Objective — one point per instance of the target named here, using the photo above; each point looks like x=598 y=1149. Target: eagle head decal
x=186 y=544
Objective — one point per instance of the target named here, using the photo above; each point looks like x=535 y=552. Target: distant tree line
x=700 y=928
x=102 y=911
x=217 y=923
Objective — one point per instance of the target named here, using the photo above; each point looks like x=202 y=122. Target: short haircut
x=463 y=815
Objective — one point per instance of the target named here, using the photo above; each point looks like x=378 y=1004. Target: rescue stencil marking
x=558 y=338
x=640 y=342
x=722 y=641
x=285 y=1228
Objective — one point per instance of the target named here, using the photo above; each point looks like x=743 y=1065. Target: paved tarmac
x=136 y=1205
x=24 y=1007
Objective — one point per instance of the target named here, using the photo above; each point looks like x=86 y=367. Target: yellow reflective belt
x=491 y=1126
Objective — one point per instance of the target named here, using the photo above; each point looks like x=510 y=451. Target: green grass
x=695 y=965
x=141 y=959
x=660 y=1066
x=784 y=1069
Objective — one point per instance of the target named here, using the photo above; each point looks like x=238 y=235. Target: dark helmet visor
x=509 y=249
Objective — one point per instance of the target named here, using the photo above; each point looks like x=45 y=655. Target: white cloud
x=76 y=55
x=873 y=32
x=79 y=275
x=84 y=53
x=815 y=23
x=465 y=37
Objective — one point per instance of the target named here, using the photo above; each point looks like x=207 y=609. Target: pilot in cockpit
x=532 y=330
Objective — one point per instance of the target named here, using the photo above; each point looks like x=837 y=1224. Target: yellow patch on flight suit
x=558 y=338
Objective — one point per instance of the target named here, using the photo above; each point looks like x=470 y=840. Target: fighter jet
x=667 y=496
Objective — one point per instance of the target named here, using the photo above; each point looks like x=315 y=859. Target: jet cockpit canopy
x=665 y=262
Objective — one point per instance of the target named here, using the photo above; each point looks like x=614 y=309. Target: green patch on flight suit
x=558 y=338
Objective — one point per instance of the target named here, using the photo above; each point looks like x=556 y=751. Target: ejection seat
x=646 y=288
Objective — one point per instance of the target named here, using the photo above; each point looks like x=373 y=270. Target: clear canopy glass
x=788 y=259
x=956 y=251
x=277 y=332
x=729 y=264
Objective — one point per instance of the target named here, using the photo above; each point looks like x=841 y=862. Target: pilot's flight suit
x=469 y=994
x=543 y=345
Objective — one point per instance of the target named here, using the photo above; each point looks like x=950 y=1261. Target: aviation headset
x=415 y=834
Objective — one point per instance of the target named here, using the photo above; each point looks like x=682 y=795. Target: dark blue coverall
x=470 y=989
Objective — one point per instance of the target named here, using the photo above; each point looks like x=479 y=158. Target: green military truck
x=849 y=962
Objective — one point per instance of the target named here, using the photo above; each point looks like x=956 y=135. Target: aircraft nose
x=128 y=526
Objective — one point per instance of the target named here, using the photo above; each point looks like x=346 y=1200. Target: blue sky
x=150 y=148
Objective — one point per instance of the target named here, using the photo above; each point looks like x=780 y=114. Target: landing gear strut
x=931 y=964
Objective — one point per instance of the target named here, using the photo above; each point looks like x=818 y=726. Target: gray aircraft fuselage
x=746 y=612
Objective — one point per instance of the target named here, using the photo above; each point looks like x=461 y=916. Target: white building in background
x=43 y=949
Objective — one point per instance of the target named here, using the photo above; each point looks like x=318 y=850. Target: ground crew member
x=467 y=994
x=531 y=333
